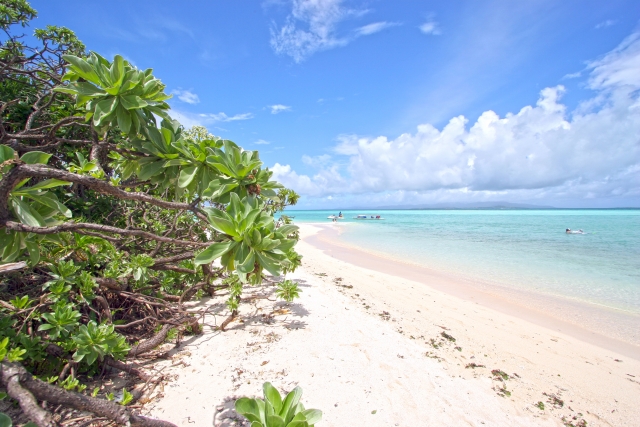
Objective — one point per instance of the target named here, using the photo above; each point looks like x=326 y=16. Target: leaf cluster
x=274 y=411
x=112 y=214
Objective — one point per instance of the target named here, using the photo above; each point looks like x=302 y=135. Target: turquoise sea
x=523 y=249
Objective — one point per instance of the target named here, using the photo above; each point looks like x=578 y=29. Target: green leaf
x=247 y=266
x=248 y=408
x=272 y=395
x=82 y=68
x=187 y=175
x=34 y=252
x=124 y=119
x=298 y=424
x=117 y=71
x=290 y=403
x=25 y=214
x=313 y=416
x=212 y=252
x=104 y=109
x=223 y=225
x=268 y=263
x=275 y=421
x=49 y=183
x=51 y=201
x=6 y=153
x=85 y=89
x=176 y=162
x=5 y=421
x=33 y=157
x=131 y=102
x=150 y=169
x=288 y=229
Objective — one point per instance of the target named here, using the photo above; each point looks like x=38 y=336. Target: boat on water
x=369 y=217
x=339 y=216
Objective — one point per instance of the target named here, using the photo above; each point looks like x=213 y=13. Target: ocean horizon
x=521 y=249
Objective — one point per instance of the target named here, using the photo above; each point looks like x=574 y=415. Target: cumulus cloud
x=312 y=26
x=279 y=108
x=262 y=142
x=542 y=151
x=186 y=96
x=431 y=27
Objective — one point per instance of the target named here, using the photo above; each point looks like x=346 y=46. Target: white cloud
x=222 y=117
x=189 y=119
x=156 y=28
x=186 y=119
x=316 y=161
x=262 y=142
x=374 y=28
x=431 y=27
x=541 y=152
x=320 y=17
x=573 y=75
x=605 y=24
x=312 y=26
x=279 y=108
x=186 y=96
x=620 y=67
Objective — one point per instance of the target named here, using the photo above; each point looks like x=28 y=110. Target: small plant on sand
x=473 y=365
x=275 y=412
x=540 y=406
x=500 y=375
x=288 y=290
x=447 y=336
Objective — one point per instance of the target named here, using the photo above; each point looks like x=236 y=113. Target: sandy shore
x=372 y=348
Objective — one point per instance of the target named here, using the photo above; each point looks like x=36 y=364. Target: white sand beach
x=372 y=348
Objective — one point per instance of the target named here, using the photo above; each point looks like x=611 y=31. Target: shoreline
x=588 y=322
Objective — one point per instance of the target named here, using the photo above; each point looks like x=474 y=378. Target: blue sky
x=370 y=103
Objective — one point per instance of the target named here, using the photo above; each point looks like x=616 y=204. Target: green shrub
x=275 y=412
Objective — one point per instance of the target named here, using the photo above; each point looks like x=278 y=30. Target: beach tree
x=112 y=217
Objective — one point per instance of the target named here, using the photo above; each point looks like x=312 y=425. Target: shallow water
x=523 y=249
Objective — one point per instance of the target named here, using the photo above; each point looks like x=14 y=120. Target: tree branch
x=58 y=396
x=11 y=380
x=22 y=171
x=74 y=226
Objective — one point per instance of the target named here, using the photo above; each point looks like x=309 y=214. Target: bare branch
x=58 y=396
x=151 y=343
x=10 y=375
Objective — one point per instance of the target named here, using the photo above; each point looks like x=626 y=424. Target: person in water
x=574 y=232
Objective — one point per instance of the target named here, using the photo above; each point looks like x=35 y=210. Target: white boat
x=369 y=217
x=335 y=216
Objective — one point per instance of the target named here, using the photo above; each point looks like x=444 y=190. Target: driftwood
x=12 y=266
x=23 y=387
